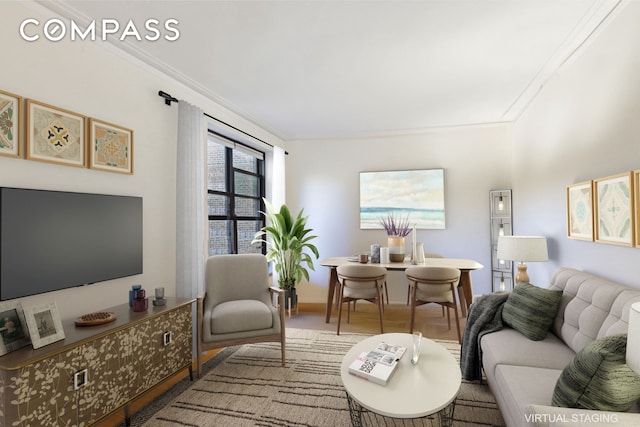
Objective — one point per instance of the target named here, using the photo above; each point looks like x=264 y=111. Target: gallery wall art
x=580 y=211
x=10 y=124
x=111 y=147
x=414 y=194
x=614 y=222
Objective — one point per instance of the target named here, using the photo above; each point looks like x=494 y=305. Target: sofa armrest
x=549 y=416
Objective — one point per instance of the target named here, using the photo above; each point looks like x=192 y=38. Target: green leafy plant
x=287 y=238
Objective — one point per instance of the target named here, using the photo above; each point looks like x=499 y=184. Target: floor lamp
x=522 y=249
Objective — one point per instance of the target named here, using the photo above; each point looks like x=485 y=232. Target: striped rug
x=247 y=386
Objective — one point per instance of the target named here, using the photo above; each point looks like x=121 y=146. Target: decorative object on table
x=97 y=318
x=417 y=345
x=384 y=255
x=159 y=300
x=140 y=300
x=580 y=211
x=286 y=238
x=384 y=192
x=501 y=225
x=397 y=229
x=523 y=249
x=55 y=135
x=379 y=364
x=45 y=326
x=132 y=294
x=375 y=254
x=420 y=258
x=111 y=147
x=14 y=333
x=363 y=258
x=613 y=198
x=633 y=338
x=10 y=124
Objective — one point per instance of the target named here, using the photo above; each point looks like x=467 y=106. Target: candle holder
x=159 y=299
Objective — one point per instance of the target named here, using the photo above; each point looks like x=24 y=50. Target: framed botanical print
x=55 y=135
x=580 y=211
x=614 y=220
x=10 y=125
x=110 y=147
x=45 y=326
x=13 y=328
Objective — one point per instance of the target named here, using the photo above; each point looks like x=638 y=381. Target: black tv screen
x=52 y=240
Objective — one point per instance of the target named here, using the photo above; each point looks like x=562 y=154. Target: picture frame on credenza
x=14 y=333
x=45 y=326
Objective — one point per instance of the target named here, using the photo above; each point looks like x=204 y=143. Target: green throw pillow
x=598 y=378
x=530 y=310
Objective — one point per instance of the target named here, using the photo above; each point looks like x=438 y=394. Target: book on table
x=379 y=364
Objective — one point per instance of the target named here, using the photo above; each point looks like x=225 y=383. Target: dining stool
x=361 y=282
x=434 y=285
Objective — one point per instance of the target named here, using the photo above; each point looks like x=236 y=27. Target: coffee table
x=416 y=394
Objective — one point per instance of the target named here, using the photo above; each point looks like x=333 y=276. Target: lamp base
x=522 y=275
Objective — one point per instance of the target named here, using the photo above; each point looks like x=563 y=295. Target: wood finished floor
x=429 y=320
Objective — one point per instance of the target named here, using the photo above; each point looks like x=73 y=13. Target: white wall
x=95 y=79
x=323 y=178
x=583 y=125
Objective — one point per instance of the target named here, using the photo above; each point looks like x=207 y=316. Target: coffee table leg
x=446 y=415
x=355 y=411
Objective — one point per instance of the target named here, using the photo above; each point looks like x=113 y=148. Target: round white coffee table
x=414 y=391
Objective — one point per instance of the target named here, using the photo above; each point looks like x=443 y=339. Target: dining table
x=465 y=290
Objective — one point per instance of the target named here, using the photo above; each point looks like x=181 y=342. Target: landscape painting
x=414 y=194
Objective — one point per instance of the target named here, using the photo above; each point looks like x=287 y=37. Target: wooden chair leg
x=455 y=310
x=340 y=309
x=413 y=308
x=448 y=317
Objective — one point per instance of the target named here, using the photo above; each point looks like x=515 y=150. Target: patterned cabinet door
x=28 y=390
x=147 y=366
x=177 y=329
x=105 y=385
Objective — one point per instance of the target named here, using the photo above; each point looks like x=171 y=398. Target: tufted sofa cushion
x=591 y=307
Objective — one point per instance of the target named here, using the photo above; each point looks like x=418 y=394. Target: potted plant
x=397 y=229
x=287 y=238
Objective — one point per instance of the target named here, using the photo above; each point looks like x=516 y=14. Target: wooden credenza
x=96 y=370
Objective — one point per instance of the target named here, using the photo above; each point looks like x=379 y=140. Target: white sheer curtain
x=191 y=190
x=278 y=197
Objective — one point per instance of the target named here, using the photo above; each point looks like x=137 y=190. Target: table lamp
x=522 y=249
x=633 y=338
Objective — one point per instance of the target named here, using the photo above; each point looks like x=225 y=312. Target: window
x=235 y=187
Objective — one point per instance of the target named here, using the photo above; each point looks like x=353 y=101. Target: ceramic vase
x=396 y=248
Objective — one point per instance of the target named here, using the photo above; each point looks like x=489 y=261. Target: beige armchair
x=236 y=307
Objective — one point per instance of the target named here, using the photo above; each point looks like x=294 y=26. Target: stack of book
x=379 y=364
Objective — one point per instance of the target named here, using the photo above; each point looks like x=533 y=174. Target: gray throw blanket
x=485 y=316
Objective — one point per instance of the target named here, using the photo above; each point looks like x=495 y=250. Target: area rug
x=247 y=386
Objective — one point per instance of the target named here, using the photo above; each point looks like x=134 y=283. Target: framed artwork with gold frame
x=614 y=203
x=10 y=124
x=55 y=135
x=110 y=147
x=580 y=211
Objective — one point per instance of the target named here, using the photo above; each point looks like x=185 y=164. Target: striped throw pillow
x=530 y=310
x=598 y=378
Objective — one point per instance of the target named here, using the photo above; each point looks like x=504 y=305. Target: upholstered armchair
x=236 y=307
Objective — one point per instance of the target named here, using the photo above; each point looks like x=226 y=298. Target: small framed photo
x=55 y=135
x=580 y=211
x=13 y=328
x=10 y=124
x=110 y=147
x=615 y=220
x=44 y=325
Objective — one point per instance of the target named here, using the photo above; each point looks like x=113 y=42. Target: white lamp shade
x=522 y=248
x=633 y=338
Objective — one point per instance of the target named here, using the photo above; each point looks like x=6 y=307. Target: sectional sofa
x=523 y=373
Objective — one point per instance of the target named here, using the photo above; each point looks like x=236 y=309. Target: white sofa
x=522 y=374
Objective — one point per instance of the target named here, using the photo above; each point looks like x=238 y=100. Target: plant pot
x=290 y=298
x=396 y=248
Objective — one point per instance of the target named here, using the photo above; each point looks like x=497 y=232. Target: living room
x=580 y=125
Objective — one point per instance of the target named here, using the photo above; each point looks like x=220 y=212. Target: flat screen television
x=52 y=240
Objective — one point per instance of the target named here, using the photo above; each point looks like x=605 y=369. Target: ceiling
x=340 y=69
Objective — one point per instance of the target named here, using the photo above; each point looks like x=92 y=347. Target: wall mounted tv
x=52 y=240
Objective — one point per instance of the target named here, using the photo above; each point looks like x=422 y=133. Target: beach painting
x=416 y=194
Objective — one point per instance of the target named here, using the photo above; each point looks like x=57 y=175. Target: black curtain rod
x=168 y=99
